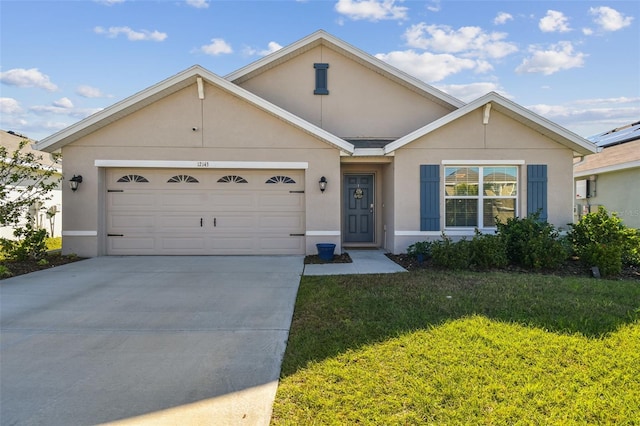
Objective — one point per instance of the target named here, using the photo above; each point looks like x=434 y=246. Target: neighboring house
x=610 y=177
x=201 y=164
x=47 y=215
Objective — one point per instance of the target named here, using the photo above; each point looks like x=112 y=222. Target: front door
x=358 y=207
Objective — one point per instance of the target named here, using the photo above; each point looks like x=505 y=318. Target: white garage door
x=205 y=212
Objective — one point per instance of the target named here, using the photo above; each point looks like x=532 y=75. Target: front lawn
x=462 y=348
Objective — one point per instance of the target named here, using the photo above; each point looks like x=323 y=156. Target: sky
x=576 y=63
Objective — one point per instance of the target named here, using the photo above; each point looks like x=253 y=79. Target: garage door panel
x=157 y=217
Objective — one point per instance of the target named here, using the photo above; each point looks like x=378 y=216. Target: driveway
x=146 y=340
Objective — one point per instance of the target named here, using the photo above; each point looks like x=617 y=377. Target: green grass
x=462 y=348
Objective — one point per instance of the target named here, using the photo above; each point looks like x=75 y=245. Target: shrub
x=5 y=272
x=532 y=243
x=601 y=240
x=447 y=254
x=487 y=251
x=420 y=250
x=31 y=244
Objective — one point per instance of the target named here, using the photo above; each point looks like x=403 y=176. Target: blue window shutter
x=322 y=87
x=430 y=197
x=537 y=190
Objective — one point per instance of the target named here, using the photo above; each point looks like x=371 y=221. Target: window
x=280 y=179
x=232 y=179
x=133 y=178
x=476 y=196
x=322 y=87
x=182 y=179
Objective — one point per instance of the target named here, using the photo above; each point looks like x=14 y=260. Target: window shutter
x=430 y=197
x=322 y=87
x=537 y=190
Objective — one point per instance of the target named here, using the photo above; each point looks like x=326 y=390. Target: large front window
x=476 y=196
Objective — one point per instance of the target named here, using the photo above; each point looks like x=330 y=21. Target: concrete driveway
x=146 y=340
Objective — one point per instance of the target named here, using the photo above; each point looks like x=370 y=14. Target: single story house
x=46 y=215
x=318 y=142
x=607 y=177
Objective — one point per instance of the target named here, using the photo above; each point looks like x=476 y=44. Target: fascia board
x=363 y=57
x=557 y=133
x=170 y=85
x=608 y=169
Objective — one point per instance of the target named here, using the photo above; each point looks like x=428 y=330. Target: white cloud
x=271 y=47
x=10 y=106
x=587 y=31
x=63 y=103
x=502 y=18
x=198 y=4
x=27 y=78
x=109 y=2
x=435 y=6
x=217 y=47
x=142 y=35
x=469 y=41
x=609 y=19
x=371 y=10
x=553 y=22
x=469 y=92
x=588 y=117
x=427 y=66
x=558 y=57
x=89 y=92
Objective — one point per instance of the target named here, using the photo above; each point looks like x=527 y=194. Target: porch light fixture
x=74 y=182
x=323 y=183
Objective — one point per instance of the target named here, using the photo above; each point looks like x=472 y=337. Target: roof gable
x=323 y=38
x=557 y=133
x=169 y=86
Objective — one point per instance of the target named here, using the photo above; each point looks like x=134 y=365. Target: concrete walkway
x=146 y=340
x=364 y=262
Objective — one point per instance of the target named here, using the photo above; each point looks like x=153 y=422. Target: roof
x=553 y=131
x=323 y=38
x=11 y=141
x=613 y=158
x=168 y=87
x=623 y=134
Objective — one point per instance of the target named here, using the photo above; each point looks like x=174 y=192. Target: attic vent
x=133 y=178
x=183 y=178
x=280 y=179
x=321 y=79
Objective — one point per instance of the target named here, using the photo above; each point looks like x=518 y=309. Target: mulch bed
x=337 y=258
x=48 y=261
x=572 y=267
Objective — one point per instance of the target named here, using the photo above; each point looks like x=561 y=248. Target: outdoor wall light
x=323 y=183
x=74 y=182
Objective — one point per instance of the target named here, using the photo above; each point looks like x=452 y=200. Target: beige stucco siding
x=361 y=103
x=467 y=139
x=615 y=191
x=228 y=129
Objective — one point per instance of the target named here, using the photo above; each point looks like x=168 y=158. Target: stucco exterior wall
x=467 y=139
x=614 y=191
x=228 y=129
x=376 y=107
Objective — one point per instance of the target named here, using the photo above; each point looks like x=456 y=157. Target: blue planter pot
x=325 y=251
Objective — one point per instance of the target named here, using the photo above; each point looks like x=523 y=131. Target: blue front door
x=358 y=207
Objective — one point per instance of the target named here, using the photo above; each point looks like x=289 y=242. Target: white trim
x=483 y=162
x=448 y=232
x=79 y=233
x=322 y=233
x=205 y=164
x=607 y=169
x=417 y=233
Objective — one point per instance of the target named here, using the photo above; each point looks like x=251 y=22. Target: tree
x=25 y=183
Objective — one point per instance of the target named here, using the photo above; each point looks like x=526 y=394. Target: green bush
x=451 y=255
x=600 y=239
x=420 y=249
x=532 y=243
x=31 y=244
x=487 y=251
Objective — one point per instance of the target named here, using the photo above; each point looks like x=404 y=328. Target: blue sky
x=576 y=63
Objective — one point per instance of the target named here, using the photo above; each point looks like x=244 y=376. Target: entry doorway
x=358 y=208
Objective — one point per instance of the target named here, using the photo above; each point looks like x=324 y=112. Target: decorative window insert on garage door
x=205 y=212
